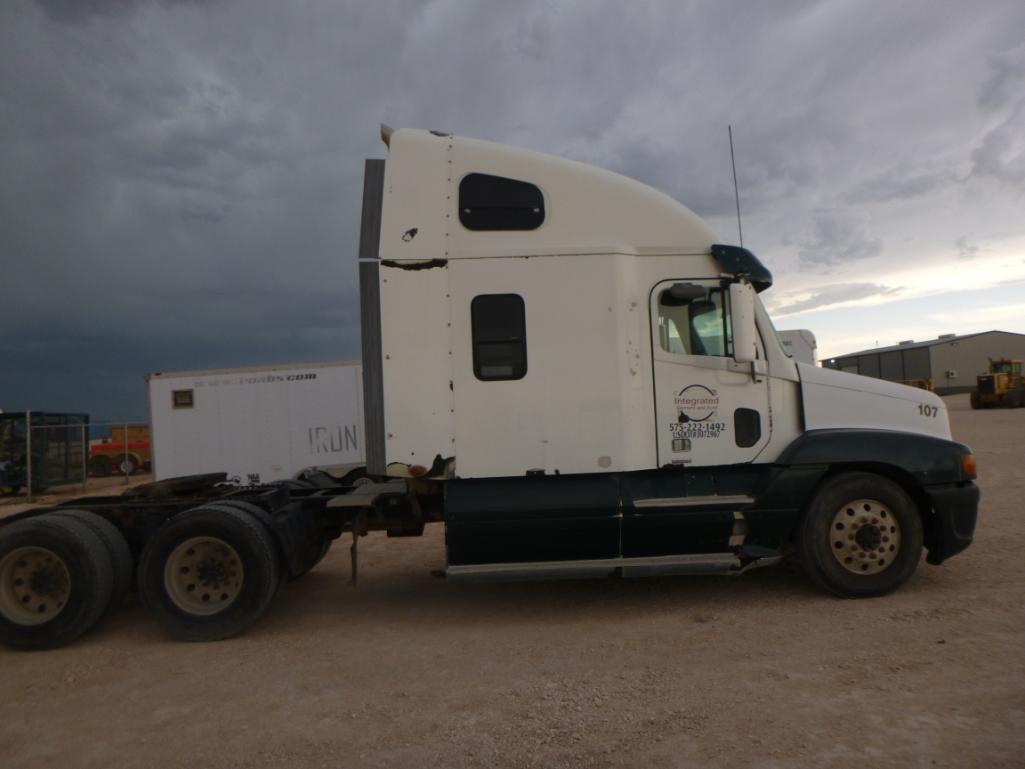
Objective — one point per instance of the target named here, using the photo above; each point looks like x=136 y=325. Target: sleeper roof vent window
x=495 y=203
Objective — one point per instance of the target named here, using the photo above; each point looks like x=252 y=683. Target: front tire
x=209 y=573
x=973 y=398
x=861 y=536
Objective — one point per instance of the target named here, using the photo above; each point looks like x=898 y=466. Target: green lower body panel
x=550 y=518
x=671 y=512
x=750 y=511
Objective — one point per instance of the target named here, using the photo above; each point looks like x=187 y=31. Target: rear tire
x=861 y=536
x=209 y=573
x=974 y=400
x=322 y=547
x=53 y=567
x=117 y=550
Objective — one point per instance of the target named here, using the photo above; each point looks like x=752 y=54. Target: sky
x=180 y=180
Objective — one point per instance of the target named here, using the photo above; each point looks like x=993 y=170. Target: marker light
x=968 y=465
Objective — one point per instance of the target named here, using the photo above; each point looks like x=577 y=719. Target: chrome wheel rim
x=203 y=576
x=865 y=536
x=34 y=585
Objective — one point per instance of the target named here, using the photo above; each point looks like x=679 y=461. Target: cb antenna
x=736 y=189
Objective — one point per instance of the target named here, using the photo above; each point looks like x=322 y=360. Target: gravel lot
x=409 y=671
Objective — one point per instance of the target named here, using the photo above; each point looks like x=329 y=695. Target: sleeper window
x=701 y=326
x=495 y=203
x=499 y=329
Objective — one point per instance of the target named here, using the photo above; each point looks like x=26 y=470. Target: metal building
x=952 y=362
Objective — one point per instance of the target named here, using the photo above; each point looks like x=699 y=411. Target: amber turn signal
x=968 y=465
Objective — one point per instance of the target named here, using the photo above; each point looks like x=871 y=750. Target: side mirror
x=742 y=314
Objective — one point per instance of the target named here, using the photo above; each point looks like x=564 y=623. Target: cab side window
x=693 y=322
x=499 y=328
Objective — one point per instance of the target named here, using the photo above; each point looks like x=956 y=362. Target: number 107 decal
x=928 y=411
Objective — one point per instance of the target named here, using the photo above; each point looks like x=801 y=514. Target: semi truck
x=568 y=371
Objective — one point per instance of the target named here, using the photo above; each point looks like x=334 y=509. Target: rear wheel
x=209 y=573
x=861 y=536
x=55 y=581
x=320 y=544
x=114 y=543
x=324 y=547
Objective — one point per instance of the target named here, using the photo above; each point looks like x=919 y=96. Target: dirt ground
x=407 y=670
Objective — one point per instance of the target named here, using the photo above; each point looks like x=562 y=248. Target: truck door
x=709 y=409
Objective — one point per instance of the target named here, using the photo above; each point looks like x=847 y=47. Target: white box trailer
x=257 y=424
x=800 y=345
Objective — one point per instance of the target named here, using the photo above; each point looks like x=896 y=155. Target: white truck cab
x=585 y=380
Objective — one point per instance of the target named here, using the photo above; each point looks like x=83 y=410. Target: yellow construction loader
x=1002 y=387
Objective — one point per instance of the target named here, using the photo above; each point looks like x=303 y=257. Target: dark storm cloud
x=180 y=181
x=831 y=295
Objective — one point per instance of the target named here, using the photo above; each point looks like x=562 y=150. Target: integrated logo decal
x=697 y=408
x=696 y=403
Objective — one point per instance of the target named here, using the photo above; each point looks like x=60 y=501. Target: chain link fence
x=41 y=450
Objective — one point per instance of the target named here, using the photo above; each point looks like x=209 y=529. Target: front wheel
x=974 y=399
x=861 y=536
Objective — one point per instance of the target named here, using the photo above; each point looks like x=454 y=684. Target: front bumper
x=955 y=511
